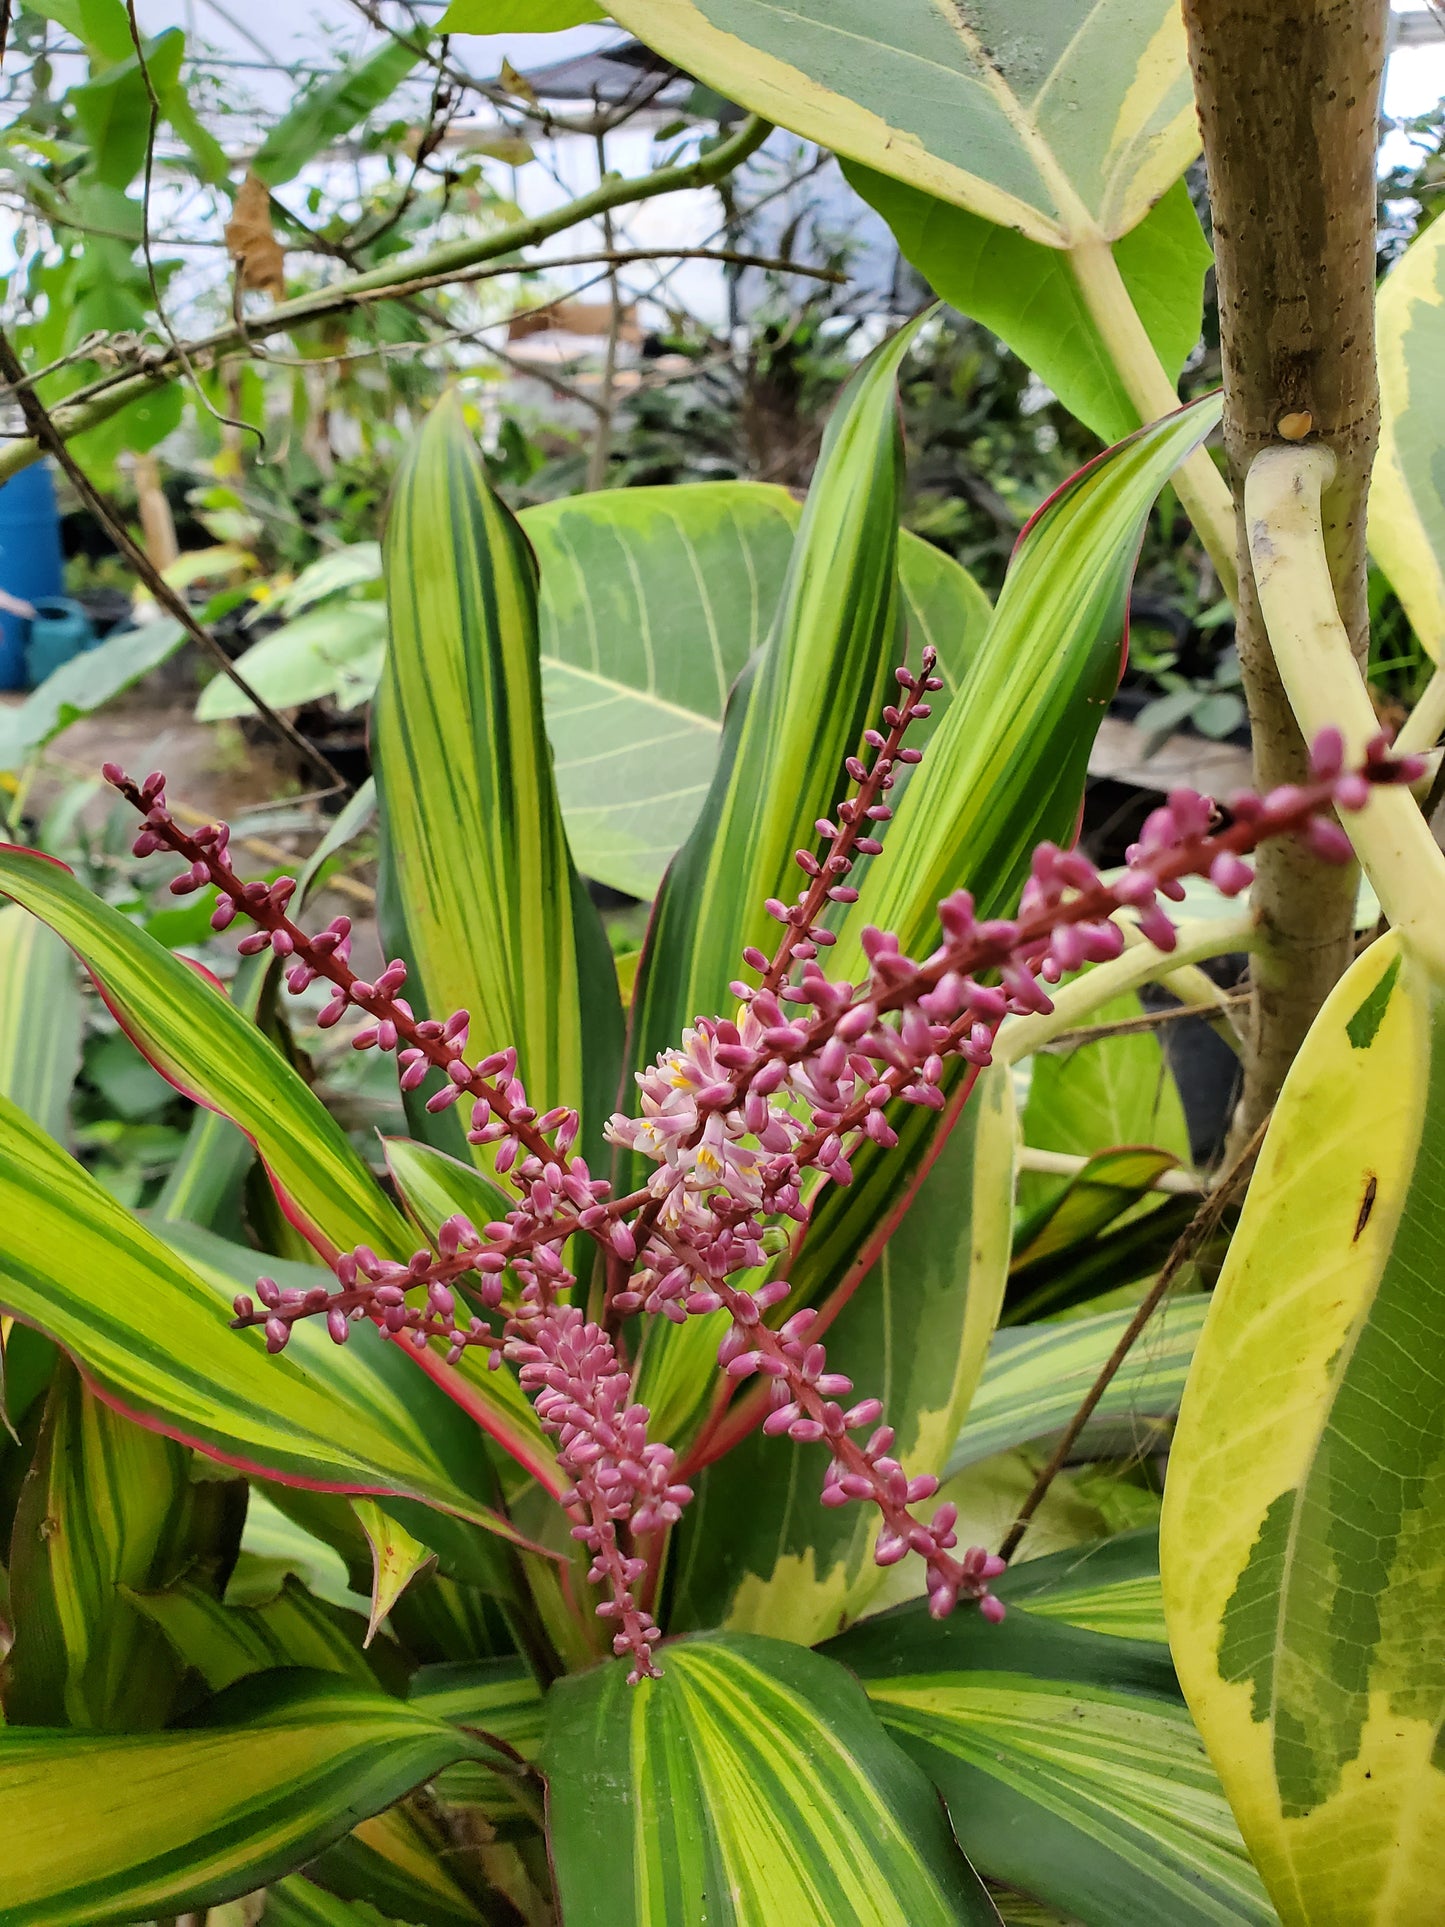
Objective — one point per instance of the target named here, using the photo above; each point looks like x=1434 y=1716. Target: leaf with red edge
x=152 y=1335
x=186 y=1026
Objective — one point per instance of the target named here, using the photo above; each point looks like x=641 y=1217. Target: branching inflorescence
x=737 y=1121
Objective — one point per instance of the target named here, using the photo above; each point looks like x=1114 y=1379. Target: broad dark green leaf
x=329 y=109
x=1027 y=293
x=479 y=891
x=114 y=1828
x=750 y=1783
x=757 y=1551
x=1068 y=1761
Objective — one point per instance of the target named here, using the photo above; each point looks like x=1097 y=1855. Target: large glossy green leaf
x=1028 y=295
x=479 y=889
x=40 y=1021
x=331 y=108
x=1407 y=491
x=333 y=651
x=111 y=1829
x=1115 y=1090
x=1037 y=1376
x=152 y=1334
x=792 y=720
x=750 y=1783
x=197 y=1039
x=1304 y=1517
x=106 y=1504
x=1065 y=119
x=653 y=599
x=757 y=1551
x=1068 y=1761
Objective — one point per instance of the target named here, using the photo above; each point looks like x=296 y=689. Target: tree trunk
x=1288 y=94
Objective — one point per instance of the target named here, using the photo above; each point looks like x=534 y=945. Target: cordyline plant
x=698 y=1360
x=734 y=1119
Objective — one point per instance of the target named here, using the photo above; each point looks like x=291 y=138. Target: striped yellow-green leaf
x=1037 y=1375
x=39 y=1021
x=479 y=891
x=1304 y=1514
x=152 y=1333
x=1065 y=119
x=1104 y=1586
x=434 y=1186
x=1068 y=1761
x=750 y=1784
x=792 y=721
x=757 y=1551
x=498 y=1697
x=226 y=1643
x=197 y=1039
x=1007 y=764
x=404 y=1865
x=1104 y=1230
x=1005 y=769
x=108 y=1828
x=1028 y=294
x=1407 y=491
x=105 y=1504
x=299 y=1902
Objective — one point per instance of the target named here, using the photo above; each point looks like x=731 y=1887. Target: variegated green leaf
x=117 y=1828
x=1107 y=1228
x=403 y=1865
x=1037 y=1375
x=397 y=1556
x=1029 y=295
x=226 y=1643
x=479 y=891
x=1065 y=119
x=434 y=1186
x=1304 y=1518
x=1068 y=1761
x=499 y=1697
x=1005 y=769
x=39 y=1021
x=1103 y=1586
x=1407 y=491
x=792 y=721
x=757 y=1551
x=105 y=1505
x=750 y=1783
x=152 y=1334
x=197 y=1039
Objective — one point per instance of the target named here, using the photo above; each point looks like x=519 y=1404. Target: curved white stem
x=1312 y=650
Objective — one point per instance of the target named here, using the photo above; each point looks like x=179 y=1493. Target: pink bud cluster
x=734 y=1121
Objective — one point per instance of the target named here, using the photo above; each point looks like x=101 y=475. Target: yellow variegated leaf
x=1065 y=119
x=1407 y=494
x=1304 y=1513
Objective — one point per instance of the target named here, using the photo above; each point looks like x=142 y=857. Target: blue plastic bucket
x=61 y=629
x=30 y=562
